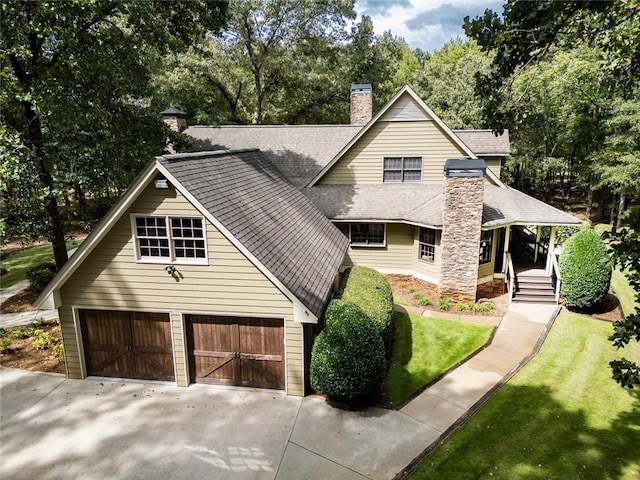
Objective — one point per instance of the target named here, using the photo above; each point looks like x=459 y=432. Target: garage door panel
x=107 y=328
x=127 y=344
x=236 y=351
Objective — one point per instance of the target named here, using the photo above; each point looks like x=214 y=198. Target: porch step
x=551 y=300
x=534 y=287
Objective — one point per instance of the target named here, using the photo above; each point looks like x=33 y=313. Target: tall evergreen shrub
x=586 y=274
x=368 y=289
x=348 y=357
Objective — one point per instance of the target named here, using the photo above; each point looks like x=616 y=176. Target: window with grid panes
x=367 y=234
x=184 y=240
x=427 y=244
x=188 y=237
x=402 y=169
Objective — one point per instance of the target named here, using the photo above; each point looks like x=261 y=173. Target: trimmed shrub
x=586 y=275
x=368 y=289
x=348 y=357
x=41 y=274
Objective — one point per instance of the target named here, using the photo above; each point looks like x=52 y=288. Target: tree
x=446 y=82
x=272 y=40
x=558 y=108
x=72 y=73
x=528 y=30
x=619 y=160
x=625 y=247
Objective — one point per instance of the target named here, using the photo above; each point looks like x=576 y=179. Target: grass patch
x=19 y=262
x=625 y=293
x=424 y=348
x=562 y=416
x=400 y=301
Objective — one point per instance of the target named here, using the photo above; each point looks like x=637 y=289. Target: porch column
x=551 y=250
x=507 y=239
x=537 y=246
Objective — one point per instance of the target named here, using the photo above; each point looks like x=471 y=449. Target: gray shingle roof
x=298 y=151
x=485 y=142
x=269 y=216
x=422 y=204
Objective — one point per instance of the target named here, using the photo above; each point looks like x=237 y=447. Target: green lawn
x=624 y=292
x=426 y=347
x=561 y=417
x=18 y=263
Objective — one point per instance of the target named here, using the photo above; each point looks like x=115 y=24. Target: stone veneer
x=177 y=124
x=361 y=107
x=462 y=222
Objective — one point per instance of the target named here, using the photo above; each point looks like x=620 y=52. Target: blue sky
x=425 y=24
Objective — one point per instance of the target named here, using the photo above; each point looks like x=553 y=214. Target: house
x=215 y=265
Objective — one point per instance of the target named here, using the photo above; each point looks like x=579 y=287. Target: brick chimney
x=462 y=223
x=176 y=119
x=361 y=103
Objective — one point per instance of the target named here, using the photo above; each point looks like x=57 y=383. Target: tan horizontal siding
x=404 y=109
x=396 y=255
x=493 y=164
x=363 y=162
x=424 y=268
x=230 y=284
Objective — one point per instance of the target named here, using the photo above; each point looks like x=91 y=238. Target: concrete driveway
x=51 y=427
x=54 y=428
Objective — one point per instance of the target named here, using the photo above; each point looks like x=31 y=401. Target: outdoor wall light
x=170 y=269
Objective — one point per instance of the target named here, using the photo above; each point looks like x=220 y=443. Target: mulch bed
x=22 y=302
x=23 y=355
x=406 y=286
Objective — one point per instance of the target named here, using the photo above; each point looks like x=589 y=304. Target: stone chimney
x=361 y=103
x=462 y=223
x=176 y=119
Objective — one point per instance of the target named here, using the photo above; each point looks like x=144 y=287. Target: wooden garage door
x=127 y=344
x=236 y=351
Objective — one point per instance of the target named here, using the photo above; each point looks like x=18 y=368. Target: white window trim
x=402 y=169
x=370 y=245
x=420 y=243
x=172 y=256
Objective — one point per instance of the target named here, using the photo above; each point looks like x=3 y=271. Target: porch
x=530 y=264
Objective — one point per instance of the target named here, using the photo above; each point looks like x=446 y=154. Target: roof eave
x=49 y=296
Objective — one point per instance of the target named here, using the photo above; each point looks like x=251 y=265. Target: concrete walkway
x=8 y=320
x=51 y=427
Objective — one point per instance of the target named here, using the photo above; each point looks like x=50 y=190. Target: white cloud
x=425 y=24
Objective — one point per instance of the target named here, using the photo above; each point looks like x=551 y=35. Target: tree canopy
x=75 y=78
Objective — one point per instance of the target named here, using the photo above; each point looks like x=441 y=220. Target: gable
x=405 y=127
x=111 y=277
x=404 y=130
x=405 y=109
x=253 y=206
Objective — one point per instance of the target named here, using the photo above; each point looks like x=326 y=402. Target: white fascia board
x=50 y=295
x=300 y=312
x=388 y=222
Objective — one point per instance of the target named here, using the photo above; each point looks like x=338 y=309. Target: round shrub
x=370 y=290
x=586 y=275
x=348 y=357
x=40 y=275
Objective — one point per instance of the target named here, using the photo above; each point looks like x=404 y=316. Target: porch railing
x=510 y=277
x=556 y=278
